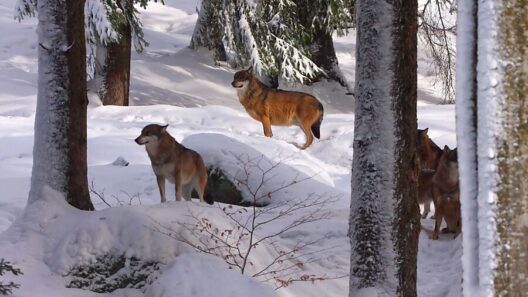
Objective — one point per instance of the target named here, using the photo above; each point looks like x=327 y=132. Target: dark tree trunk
x=324 y=56
x=404 y=91
x=116 y=71
x=78 y=193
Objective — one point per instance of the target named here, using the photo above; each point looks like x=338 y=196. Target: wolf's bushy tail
x=317 y=125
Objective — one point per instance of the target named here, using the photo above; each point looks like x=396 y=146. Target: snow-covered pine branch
x=98 y=25
x=295 y=65
x=250 y=44
x=25 y=8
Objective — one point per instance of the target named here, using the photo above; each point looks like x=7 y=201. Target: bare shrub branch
x=130 y=198
x=250 y=228
x=439 y=38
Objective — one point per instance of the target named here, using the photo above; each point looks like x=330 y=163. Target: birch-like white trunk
x=466 y=116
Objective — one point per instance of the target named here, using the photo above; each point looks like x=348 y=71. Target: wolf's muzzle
x=234 y=84
x=138 y=141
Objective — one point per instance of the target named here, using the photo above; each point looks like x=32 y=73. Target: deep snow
x=172 y=84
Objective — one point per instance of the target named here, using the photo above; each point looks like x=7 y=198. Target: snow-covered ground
x=174 y=85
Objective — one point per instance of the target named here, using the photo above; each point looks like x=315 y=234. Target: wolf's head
x=422 y=142
x=242 y=78
x=151 y=134
x=449 y=159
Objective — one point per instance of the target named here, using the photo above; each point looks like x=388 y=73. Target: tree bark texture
x=406 y=228
x=59 y=152
x=78 y=193
x=511 y=278
x=324 y=56
x=116 y=70
x=384 y=216
x=466 y=116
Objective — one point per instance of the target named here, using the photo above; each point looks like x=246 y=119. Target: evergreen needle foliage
x=5 y=266
x=112 y=272
x=274 y=36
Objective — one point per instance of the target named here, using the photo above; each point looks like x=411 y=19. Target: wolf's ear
x=164 y=128
x=446 y=149
x=425 y=130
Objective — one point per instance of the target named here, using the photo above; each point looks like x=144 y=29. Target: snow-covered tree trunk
x=466 y=116
x=59 y=152
x=384 y=215
x=494 y=188
x=511 y=278
x=115 y=77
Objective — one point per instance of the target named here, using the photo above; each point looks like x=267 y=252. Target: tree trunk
x=466 y=115
x=116 y=71
x=407 y=224
x=494 y=190
x=512 y=154
x=59 y=152
x=503 y=147
x=324 y=56
x=384 y=215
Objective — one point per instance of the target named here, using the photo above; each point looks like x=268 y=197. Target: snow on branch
x=97 y=23
x=295 y=66
x=25 y=8
x=250 y=44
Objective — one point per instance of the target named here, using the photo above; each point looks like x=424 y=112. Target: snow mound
x=78 y=237
x=200 y=275
x=259 y=169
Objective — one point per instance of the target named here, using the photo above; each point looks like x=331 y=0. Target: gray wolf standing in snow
x=172 y=161
x=278 y=107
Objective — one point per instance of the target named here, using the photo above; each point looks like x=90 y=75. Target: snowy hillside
x=171 y=84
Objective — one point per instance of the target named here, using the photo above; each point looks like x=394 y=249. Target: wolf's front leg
x=161 y=185
x=266 y=124
x=439 y=214
x=178 y=187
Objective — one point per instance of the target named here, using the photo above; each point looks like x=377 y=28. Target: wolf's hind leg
x=199 y=184
x=309 y=136
x=186 y=191
x=266 y=124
